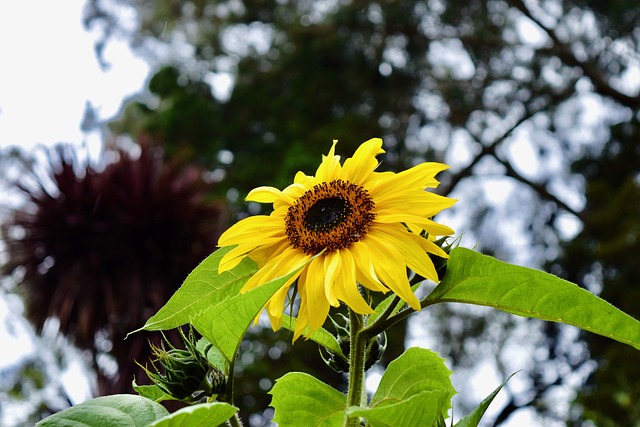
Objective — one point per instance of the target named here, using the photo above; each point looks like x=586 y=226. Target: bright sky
x=49 y=72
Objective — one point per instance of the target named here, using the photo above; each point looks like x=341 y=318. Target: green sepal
x=152 y=392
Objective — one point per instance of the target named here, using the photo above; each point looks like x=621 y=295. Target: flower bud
x=188 y=375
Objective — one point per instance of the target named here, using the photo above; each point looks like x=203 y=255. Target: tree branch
x=589 y=69
x=539 y=188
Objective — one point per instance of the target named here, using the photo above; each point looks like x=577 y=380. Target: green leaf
x=474 y=417
x=204 y=414
x=474 y=278
x=421 y=409
x=109 y=411
x=417 y=370
x=224 y=323
x=299 y=397
x=202 y=288
x=152 y=392
x=320 y=336
x=213 y=355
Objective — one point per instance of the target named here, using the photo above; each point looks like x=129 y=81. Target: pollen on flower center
x=331 y=215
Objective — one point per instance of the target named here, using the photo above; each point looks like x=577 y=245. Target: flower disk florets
x=332 y=215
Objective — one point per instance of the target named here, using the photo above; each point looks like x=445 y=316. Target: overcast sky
x=49 y=72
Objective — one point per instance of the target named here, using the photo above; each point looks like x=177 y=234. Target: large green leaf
x=417 y=370
x=224 y=323
x=414 y=390
x=202 y=288
x=300 y=399
x=204 y=414
x=109 y=411
x=474 y=417
x=421 y=409
x=474 y=278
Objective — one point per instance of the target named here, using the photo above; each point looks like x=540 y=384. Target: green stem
x=235 y=421
x=383 y=324
x=228 y=397
x=356 y=394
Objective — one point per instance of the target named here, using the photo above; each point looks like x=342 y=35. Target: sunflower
x=345 y=227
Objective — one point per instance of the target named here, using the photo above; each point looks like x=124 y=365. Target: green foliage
x=213 y=304
x=202 y=287
x=204 y=414
x=417 y=370
x=137 y=411
x=109 y=411
x=152 y=392
x=414 y=390
x=604 y=257
x=298 y=396
x=473 y=278
x=320 y=336
x=225 y=323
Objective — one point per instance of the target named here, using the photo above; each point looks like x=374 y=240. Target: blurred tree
x=101 y=248
x=508 y=92
x=604 y=257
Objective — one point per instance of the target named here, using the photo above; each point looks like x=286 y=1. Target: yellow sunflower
x=365 y=225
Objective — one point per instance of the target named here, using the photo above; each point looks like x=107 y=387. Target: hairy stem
x=356 y=365
x=228 y=397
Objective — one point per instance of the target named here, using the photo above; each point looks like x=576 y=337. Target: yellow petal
x=431 y=226
x=346 y=287
x=365 y=271
x=247 y=226
x=281 y=265
x=414 y=255
x=302 y=320
x=312 y=285
x=301 y=179
x=357 y=168
x=263 y=254
x=330 y=167
x=418 y=177
x=392 y=272
x=331 y=268
x=416 y=202
x=275 y=307
x=266 y=195
x=271 y=246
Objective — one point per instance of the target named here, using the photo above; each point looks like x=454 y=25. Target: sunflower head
x=345 y=229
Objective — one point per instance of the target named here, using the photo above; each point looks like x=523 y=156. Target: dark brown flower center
x=332 y=215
